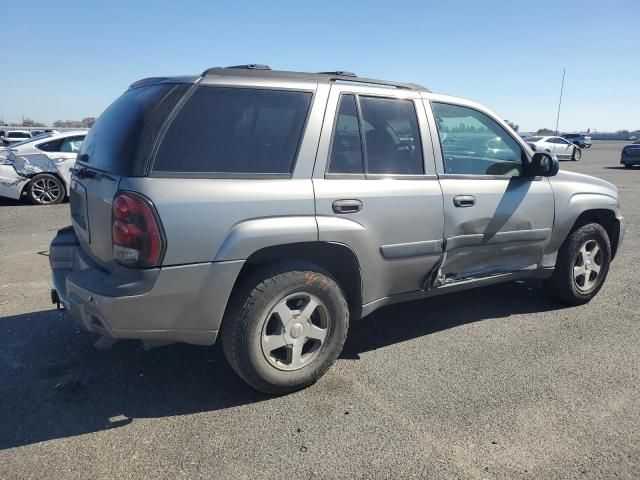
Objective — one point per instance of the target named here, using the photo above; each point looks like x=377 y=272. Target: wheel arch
x=602 y=216
x=53 y=173
x=337 y=258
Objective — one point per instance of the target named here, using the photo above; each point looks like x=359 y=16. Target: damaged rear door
x=496 y=219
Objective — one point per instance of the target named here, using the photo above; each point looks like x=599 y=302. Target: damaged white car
x=40 y=168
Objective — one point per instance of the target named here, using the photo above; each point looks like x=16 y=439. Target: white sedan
x=558 y=146
x=40 y=168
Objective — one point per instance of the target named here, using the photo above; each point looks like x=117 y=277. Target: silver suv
x=273 y=208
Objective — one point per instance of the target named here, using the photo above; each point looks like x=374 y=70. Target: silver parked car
x=273 y=208
x=40 y=167
x=558 y=146
x=15 y=136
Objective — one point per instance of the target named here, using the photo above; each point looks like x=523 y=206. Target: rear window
x=235 y=130
x=122 y=138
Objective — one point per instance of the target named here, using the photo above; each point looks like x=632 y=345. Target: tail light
x=136 y=233
x=533 y=146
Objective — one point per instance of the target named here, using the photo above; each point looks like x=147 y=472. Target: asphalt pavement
x=498 y=382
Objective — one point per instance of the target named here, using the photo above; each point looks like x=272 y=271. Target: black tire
x=249 y=315
x=562 y=285
x=577 y=154
x=46 y=189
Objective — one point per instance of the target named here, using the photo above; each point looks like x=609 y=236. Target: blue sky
x=71 y=59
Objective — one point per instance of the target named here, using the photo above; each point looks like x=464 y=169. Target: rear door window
x=392 y=137
x=52 y=146
x=231 y=130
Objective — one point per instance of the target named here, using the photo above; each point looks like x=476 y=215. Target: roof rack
x=381 y=83
x=341 y=73
x=251 y=66
x=255 y=69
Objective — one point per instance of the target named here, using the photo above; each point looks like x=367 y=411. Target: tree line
x=86 y=122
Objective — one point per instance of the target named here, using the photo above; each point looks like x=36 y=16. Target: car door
x=375 y=187
x=564 y=148
x=65 y=157
x=558 y=146
x=496 y=220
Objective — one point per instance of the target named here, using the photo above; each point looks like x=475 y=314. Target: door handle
x=464 y=201
x=347 y=206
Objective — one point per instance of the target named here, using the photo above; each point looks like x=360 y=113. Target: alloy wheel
x=45 y=190
x=586 y=269
x=294 y=331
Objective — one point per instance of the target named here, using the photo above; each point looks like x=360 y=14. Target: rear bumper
x=11 y=184
x=169 y=304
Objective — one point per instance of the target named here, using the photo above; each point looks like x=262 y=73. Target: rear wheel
x=582 y=265
x=577 y=154
x=285 y=326
x=45 y=189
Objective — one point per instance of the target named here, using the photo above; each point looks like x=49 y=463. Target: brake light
x=136 y=233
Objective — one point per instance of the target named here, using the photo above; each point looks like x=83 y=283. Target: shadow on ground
x=54 y=384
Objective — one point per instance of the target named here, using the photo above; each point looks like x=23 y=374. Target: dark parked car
x=631 y=154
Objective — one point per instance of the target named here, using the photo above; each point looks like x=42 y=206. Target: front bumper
x=170 y=304
x=630 y=159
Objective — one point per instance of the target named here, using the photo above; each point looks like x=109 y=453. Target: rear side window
x=235 y=130
x=122 y=138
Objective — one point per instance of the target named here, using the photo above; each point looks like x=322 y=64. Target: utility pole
x=560 y=102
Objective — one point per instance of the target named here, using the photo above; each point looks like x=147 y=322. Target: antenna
x=560 y=102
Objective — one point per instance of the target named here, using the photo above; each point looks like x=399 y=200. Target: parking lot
x=498 y=382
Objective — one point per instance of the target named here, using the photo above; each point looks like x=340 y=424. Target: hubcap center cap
x=587 y=264
x=296 y=330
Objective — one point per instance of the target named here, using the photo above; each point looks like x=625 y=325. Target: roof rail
x=251 y=66
x=337 y=76
x=341 y=73
x=383 y=83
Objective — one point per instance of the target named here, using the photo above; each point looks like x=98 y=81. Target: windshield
x=18 y=135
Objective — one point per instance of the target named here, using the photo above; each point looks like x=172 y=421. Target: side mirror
x=543 y=165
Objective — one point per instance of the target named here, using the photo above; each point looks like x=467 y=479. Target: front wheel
x=582 y=265
x=577 y=154
x=45 y=189
x=285 y=326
